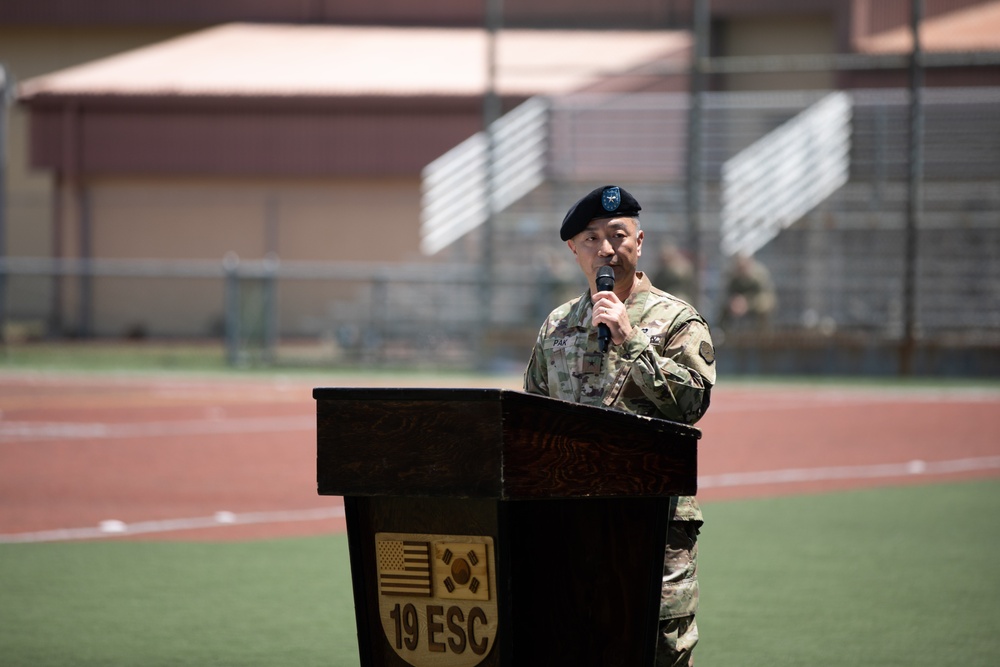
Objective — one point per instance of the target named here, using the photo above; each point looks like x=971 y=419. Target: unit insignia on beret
x=611 y=198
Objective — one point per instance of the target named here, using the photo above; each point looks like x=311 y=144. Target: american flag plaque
x=437 y=597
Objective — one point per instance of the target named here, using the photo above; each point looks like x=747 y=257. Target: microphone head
x=605 y=279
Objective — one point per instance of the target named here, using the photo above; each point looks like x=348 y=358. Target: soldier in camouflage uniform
x=661 y=363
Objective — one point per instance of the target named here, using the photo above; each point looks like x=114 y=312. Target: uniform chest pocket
x=567 y=357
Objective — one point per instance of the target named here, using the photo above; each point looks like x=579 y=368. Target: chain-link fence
x=837 y=272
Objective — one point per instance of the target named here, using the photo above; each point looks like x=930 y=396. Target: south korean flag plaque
x=437 y=597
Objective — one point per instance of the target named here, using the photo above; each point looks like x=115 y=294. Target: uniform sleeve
x=674 y=377
x=536 y=374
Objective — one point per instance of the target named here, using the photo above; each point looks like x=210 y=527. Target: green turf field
x=904 y=576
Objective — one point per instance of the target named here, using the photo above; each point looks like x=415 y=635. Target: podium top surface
x=494 y=443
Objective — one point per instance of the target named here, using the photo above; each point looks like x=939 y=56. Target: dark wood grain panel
x=494 y=444
x=405 y=447
x=595 y=453
x=580 y=573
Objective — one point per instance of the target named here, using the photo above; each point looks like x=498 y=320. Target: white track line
x=876 y=471
x=114 y=528
x=110 y=529
x=20 y=431
x=775 y=400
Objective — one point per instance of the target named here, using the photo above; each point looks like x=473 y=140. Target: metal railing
x=456 y=196
x=775 y=181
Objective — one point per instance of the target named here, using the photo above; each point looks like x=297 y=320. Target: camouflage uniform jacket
x=664 y=369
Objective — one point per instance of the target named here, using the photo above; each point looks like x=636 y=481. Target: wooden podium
x=492 y=527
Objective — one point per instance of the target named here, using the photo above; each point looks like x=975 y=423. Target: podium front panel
x=497 y=528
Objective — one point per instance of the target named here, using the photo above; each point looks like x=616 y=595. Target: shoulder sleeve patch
x=707 y=352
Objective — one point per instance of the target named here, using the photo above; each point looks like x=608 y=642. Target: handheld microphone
x=605 y=283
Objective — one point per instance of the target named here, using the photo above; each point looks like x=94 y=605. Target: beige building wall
x=349 y=220
x=371 y=220
x=779 y=35
x=28 y=51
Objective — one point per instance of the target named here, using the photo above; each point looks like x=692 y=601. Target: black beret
x=604 y=202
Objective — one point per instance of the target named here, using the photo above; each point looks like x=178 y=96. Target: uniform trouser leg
x=678 y=631
x=676 y=641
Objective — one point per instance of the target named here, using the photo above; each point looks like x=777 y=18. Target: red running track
x=213 y=458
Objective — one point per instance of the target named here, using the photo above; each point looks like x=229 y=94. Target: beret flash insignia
x=611 y=199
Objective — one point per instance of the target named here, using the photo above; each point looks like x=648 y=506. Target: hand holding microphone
x=605 y=283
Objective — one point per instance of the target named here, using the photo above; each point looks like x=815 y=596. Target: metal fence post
x=3 y=201
x=270 y=308
x=694 y=143
x=491 y=112
x=914 y=194
x=233 y=316
x=375 y=342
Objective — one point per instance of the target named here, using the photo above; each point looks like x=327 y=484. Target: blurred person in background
x=558 y=280
x=660 y=362
x=750 y=296
x=675 y=274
